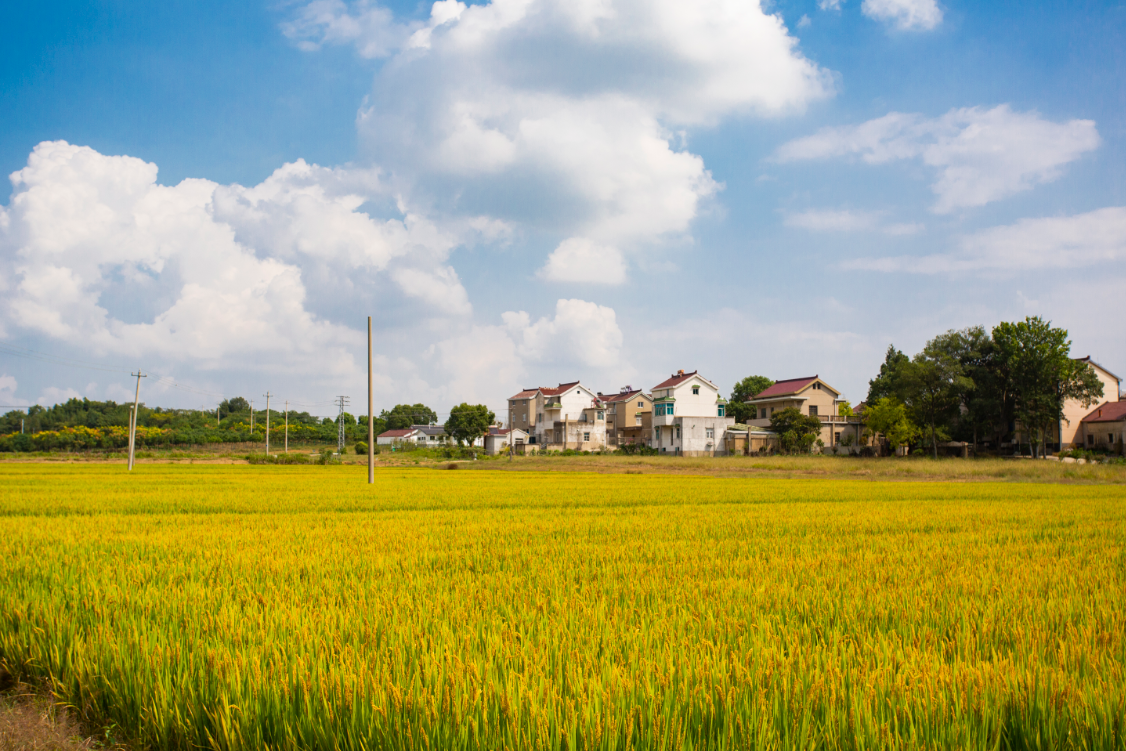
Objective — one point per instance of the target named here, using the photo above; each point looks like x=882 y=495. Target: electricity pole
x=267 y=423
x=217 y=408
x=133 y=418
x=371 y=426
x=287 y=426
x=342 y=401
x=252 y=419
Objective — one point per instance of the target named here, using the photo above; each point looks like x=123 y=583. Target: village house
x=404 y=435
x=568 y=416
x=1071 y=432
x=689 y=416
x=629 y=417
x=1105 y=428
x=812 y=397
x=498 y=439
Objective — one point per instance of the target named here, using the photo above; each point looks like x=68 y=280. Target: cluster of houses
x=685 y=415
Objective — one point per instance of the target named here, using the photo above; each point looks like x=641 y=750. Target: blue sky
x=533 y=191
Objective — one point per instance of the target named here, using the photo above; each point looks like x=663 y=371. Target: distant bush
x=294 y=458
x=361 y=448
x=637 y=449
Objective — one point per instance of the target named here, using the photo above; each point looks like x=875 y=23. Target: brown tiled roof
x=525 y=394
x=1108 y=412
x=781 y=388
x=677 y=378
x=559 y=389
x=622 y=396
x=403 y=433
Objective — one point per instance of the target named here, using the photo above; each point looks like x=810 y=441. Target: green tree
x=889 y=417
x=231 y=406
x=889 y=380
x=797 y=432
x=349 y=420
x=1040 y=375
x=744 y=390
x=468 y=422
x=844 y=409
x=933 y=382
x=405 y=415
x=981 y=406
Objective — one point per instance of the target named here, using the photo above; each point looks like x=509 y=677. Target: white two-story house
x=569 y=416
x=689 y=416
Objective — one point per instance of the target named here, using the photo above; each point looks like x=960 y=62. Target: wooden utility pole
x=371 y=410
x=287 y=426
x=133 y=418
x=252 y=419
x=268 y=423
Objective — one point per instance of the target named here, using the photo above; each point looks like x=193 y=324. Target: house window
x=721 y=409
x=640 y=404
x=812 y=411
x=709 y=432
x=637 y=419
x=762 y=413
x=695 y=391
x=772 y=411
x=838 y=437
x=678 y=432
x=586 y=437
x=1110 y=437
x=601 y=415
x=1090 y=440
x=525 y=418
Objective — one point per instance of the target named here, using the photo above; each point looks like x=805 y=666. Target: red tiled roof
x=403 y=433
x=525 y=394
x=623 y=396
x=558 y=390
x=1108 y=412
x=781 y=388
x=677 y=378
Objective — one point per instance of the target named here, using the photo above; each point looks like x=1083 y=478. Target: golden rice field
x=239 y=607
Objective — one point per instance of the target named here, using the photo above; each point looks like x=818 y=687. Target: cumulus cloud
x=1069 y=242
x=577 y=259
x=8 y=387
x=904 y=15
x=979 y=155
x=845 y=220
x=581 y=331
x=95 y=253
x=569 y=118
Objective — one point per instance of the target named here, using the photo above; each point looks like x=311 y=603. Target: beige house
x=813 y=397
x=689 y=416
x=1105 y=428
x=568 y=416
x=1074 y=412
x=629 y=417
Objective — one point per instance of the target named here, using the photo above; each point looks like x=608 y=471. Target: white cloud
x=804 y=22
x=577 y=259
x=581 y=331
x=53 y=395
x=567 y=117
x=1070 y=242
x=829 y=4
x=95 y=253
x=844 y=220
x=369 y=26
x=905 y=15
x=980 y=155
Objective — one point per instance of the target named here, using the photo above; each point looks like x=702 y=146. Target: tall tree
x=744 y=390
x=468 y=422
x=796 y=431
x=1040 y=374
x=889 y=380
x=889 y=417
x=235 y=404
x=405 y=415
x=933 y=381
x=980 y=401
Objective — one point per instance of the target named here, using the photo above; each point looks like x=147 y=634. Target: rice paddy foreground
x=297 y=607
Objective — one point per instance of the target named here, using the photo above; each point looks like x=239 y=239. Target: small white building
x=498 y=440
x=568 y=416
x=406 y=435
x=690 y=417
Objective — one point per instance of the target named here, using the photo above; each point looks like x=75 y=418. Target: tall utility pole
x=287 y=426
x=133 y=418
x=342 y=401
x=371 y=426
x=252 y=419
x=268 y=423
x=217 y=408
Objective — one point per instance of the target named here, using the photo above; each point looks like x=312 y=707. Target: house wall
x=688 y=436
x=1074 y=411
x=1103 y=435
x=689 y=404
x=522 y=413
x=622 y=416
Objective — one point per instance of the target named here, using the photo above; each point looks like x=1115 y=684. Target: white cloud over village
x=904 y=15
x=978 y=155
